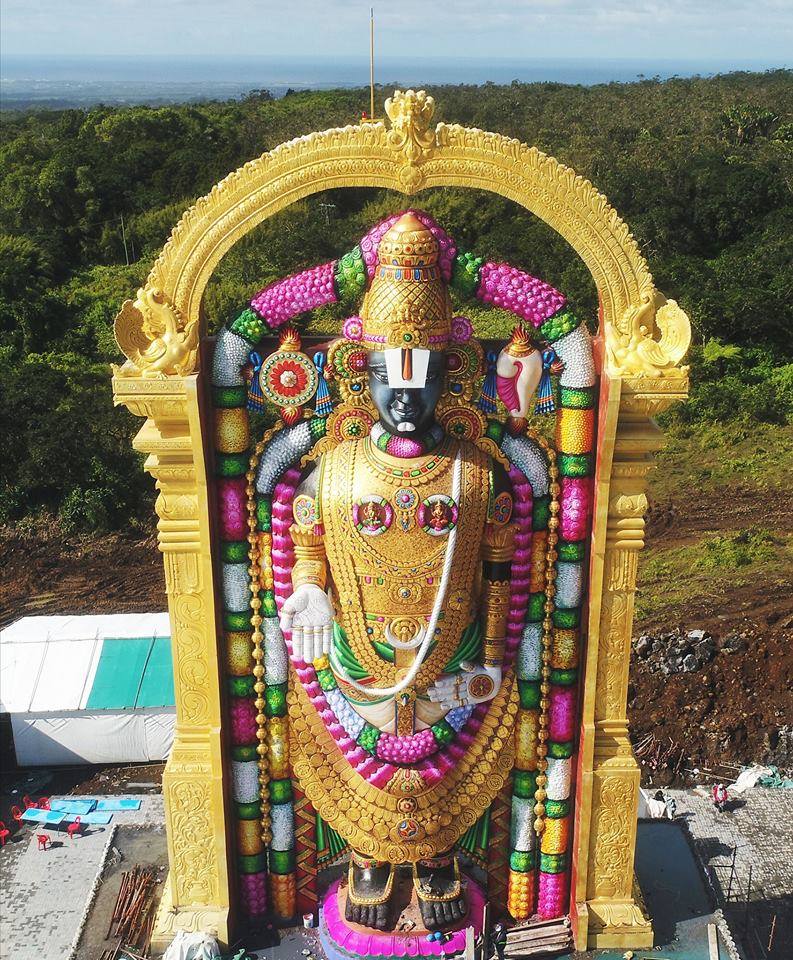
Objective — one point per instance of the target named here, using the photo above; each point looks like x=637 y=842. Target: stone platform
x=342 y=940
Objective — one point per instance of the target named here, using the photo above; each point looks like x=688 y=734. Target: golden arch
x=644 y=334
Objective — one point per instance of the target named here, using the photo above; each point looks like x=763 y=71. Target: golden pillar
x=609 y=911
x=196 y=895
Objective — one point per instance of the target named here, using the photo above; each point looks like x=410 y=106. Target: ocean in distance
x=56 y=82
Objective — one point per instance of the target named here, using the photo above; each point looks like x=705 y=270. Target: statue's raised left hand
x=308 y=614
x=472 y=685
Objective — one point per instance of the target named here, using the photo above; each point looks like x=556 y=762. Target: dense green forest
x=701 y=169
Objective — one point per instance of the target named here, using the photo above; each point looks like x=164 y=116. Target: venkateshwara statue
x=413 y=576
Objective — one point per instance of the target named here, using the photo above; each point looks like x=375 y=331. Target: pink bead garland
x=284 y=299
x=253 y=891
x=521 y=562
x=552 y=897
x=561 y=713
x=520 y=293
x=243 y=721
x=232 y=509
x=575 y=507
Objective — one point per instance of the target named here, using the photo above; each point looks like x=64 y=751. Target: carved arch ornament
x=644 y=334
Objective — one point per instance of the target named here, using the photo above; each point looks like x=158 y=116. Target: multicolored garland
x=544 y=598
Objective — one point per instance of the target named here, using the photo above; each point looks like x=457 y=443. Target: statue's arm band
x=310 y=561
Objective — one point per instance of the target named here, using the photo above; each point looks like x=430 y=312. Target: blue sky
x=731 y=30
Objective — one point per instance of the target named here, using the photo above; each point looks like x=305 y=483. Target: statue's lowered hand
x=472 y=685
x=308 y=614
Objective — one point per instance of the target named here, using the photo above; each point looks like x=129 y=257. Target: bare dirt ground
x=47 y=573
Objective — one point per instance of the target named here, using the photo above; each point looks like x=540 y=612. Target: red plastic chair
x=43 y=839
x=4 y=833
x=28 y=802
x=44 y=803
x=74 y=828
x=17 y=814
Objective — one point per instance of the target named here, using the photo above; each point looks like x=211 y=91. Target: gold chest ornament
x=386 y=528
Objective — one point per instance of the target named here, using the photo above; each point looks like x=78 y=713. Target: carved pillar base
x=169 y=920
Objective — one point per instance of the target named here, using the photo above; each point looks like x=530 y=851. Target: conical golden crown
x=407 y=304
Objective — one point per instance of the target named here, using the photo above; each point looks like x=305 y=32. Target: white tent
x=88 y=689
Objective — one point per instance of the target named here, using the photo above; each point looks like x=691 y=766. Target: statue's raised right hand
x=308 y=614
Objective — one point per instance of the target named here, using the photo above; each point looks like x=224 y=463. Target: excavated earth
x=728 y=712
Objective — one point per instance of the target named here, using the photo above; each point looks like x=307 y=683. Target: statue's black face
x=406 y=406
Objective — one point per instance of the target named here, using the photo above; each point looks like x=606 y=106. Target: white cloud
x=305 y=28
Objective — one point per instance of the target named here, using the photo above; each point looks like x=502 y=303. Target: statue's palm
x=308 y=614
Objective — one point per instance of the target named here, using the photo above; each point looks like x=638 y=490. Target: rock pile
x=681 y=651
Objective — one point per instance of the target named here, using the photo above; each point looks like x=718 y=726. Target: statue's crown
x=407 y=304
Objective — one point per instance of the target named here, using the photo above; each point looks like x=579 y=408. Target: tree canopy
x=701 y=169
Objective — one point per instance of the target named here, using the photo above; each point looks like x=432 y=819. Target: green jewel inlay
x=465 y=274
x=577 y=398
x=522 y=861
x=559 y=325
x=250 y=326
x=540 y=512
x=280 y=791
x=524 y=783
x=560 y=751
x=529 y=694
x=229 y=397
x=234 y=551
x=574 y=464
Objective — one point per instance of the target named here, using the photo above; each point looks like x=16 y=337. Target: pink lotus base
x=342 y=940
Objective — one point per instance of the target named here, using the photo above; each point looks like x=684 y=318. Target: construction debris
x=538 y=938
x=133 y=915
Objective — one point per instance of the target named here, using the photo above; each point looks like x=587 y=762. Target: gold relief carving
x=193 y=862
x=613 y=827
x=621 y=567
x=410 y=114
x=154 y=337
x=633 y=349
x=612 y=675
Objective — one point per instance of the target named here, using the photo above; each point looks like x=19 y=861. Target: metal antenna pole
x=371 y=62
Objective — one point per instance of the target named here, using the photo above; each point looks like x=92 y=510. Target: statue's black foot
x=440 y=892
x=370 y=885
